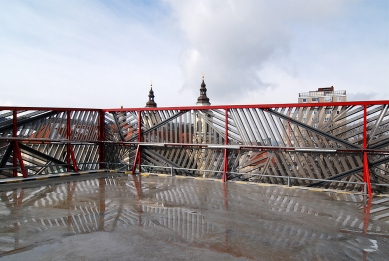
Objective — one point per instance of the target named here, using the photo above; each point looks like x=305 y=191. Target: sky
x=106 y=54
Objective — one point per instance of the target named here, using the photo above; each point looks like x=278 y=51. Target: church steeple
x=151 y=103
x=203 y=99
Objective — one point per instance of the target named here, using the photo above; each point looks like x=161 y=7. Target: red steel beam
x=260 y=106
x=73 y=158
x=11 y=108
x=68 y=136
x=14 y=134
x=366 y=173
x=17 y=154
x=136 y=159
x=20 y=159
x=101 y=138
x=225 y=167
x=140 y=139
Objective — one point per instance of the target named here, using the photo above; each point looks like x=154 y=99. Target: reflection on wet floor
x=246 y=221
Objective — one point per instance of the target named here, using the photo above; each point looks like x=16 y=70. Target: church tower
x=203 y=100
x=204 y=132
x=151 y=103
x=151 y=118
x=204 y=118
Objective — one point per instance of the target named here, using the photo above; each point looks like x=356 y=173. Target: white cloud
x=281 y=48
x=99 y=54
x=86 y=54
x=232 y=40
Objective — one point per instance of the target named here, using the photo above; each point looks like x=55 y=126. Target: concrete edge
x=68 y=174
x=267 y=185
x=50 y=176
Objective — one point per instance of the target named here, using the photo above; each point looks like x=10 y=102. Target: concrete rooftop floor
x=119 y=217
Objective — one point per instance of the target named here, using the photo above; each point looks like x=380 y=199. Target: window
x=315 y=99
x=328 y=112
x=304 y=100
x=327 y=99
x=339 y=98
x=326 y=119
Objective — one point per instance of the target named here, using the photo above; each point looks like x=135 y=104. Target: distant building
x=203 y=100
x=326 y=94
x=151 y=118
x=320 y=117
x=204 y=118
x=151 y=103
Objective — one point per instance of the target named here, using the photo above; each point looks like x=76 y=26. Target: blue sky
x=103 y=54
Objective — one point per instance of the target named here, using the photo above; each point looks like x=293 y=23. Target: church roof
x=203 y=99
x=151 y=103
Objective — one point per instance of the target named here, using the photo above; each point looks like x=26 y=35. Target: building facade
x=325 y=94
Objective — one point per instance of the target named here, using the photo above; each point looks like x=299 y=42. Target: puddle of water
x=159 y=218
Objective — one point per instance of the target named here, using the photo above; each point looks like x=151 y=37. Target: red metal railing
x=340 y=141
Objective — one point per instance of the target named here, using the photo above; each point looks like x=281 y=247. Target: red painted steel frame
x=225 y=167
x=73 y=158
x=17 y=152
x=138 y=154
x=101 y=139
x=14 y=134
x=68 y=135
x=366 y=174
x=136 y=159
x=17 y=155
x=70 y=154
x=139 y=139
x=12 y=108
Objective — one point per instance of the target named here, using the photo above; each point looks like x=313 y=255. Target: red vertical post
x=68 y=136
x=289 y=127
x=70 y=152
x=139 y=140
x=14 y=135
x=366 y=174
x=101 y=139
x=225 y=167
x=75 y=167
x=17 y=154
x=136 y=159
x=19 y=157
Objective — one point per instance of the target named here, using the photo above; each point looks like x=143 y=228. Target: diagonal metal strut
x=350 y=172
x=43 y=155
x=322 y=133
x=135 y=138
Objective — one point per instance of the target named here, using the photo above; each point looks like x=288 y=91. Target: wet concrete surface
x=117 y=217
